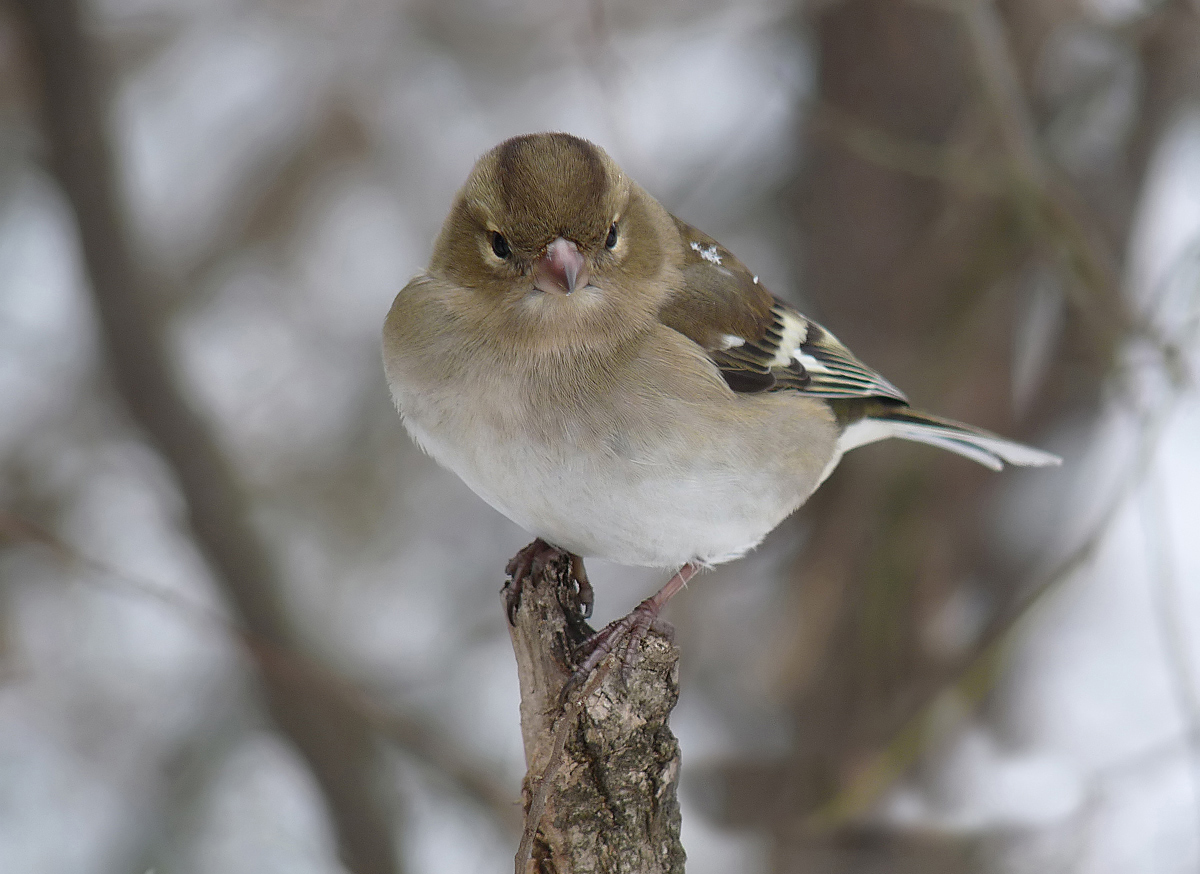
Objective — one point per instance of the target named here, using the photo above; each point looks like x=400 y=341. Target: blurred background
x=245 y=626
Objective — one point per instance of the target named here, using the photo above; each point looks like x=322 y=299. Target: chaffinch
x=617 y=383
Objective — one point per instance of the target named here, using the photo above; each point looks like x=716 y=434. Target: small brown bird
x=617 y=383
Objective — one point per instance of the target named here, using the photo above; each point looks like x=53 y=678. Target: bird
x=617 y=383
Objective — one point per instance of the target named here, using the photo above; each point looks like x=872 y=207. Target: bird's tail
x=903 y=422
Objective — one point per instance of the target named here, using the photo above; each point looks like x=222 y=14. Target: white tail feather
x=980 y=446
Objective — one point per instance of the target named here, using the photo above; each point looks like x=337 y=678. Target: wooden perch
x=600 y=790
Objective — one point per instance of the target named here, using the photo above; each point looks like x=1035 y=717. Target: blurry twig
x=974 y=681
x=1046 y=203
x=1037 y=206
x=273 y=205
x=1002 y=83
x=17 y=529
x=424 y=742
x=335 y=741
x=943 y=163
x=1053 y=205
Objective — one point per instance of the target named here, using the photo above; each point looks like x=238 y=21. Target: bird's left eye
x=611 y=242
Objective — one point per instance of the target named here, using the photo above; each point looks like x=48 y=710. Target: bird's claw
x=627 y=633
x=532 y=561
x=632 y=628
x=587 y=595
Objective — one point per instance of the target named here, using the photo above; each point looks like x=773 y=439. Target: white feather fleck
x=756 y=279
x=708 y=253
x=732 y=341
x=809 y=363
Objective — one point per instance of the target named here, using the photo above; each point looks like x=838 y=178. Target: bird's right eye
x=500 y=245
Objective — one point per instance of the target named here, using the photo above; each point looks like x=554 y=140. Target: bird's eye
x=500 y=245
x=611 y=242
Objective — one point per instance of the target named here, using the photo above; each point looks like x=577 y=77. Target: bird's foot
x=628 y=632
x=532 y=561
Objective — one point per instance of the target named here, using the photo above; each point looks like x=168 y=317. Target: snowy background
x=931 y=668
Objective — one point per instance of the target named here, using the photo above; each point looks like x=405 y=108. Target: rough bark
x=600 y=791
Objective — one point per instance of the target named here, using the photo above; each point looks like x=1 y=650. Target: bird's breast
x=636 y=475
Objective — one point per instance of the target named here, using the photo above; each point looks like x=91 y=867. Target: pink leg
x=632 y=627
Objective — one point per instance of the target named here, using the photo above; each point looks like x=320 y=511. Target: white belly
x=657 y=508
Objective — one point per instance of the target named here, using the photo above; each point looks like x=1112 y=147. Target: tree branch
x=600 y=793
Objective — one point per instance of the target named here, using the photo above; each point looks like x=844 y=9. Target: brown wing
x=759 y=342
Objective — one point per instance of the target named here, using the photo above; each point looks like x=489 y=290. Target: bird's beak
x=561 y=269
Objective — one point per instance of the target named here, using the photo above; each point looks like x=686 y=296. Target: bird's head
x=555 y=242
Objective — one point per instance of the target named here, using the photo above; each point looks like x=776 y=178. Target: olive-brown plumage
x=616 y=381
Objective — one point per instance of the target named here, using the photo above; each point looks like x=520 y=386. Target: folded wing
x=762 y=344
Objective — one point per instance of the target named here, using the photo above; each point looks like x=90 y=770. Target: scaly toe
x=529 y=562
